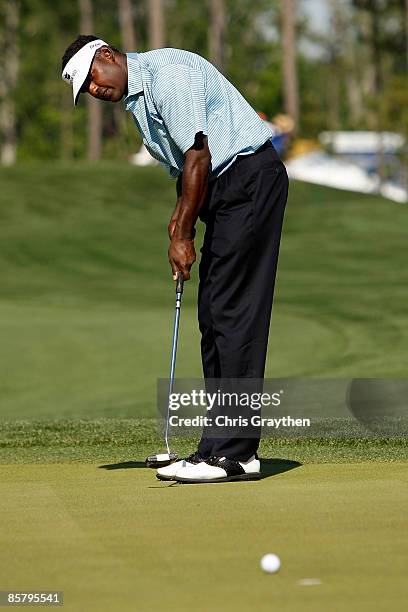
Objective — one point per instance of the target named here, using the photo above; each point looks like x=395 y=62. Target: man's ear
x=106 y=53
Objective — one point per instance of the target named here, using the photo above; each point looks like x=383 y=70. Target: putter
x=163 y=459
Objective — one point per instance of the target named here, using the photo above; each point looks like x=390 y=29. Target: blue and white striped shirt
x=173 y=94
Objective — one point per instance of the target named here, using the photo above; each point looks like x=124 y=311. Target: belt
x=239 y=158
x=266 y=145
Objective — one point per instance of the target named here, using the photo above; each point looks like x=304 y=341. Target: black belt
x=264 y=147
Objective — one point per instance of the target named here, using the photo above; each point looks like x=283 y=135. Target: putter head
x=161 y=460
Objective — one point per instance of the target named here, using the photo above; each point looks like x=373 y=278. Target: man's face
x=107 y=79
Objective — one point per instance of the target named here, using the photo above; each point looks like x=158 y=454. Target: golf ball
x=270 y=563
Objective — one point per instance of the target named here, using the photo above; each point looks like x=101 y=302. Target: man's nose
x=92 y=88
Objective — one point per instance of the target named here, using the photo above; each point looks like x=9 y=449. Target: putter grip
x=179 y=283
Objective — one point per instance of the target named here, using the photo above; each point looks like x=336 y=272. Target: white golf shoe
x=219 y=469
x=169 y=471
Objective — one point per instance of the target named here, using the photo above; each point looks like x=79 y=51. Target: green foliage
x=380 y=27
x=253 y=56
x=49 y=127
x=186 y=25
x=394 y=104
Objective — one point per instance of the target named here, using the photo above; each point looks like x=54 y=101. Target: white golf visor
x=76 y=70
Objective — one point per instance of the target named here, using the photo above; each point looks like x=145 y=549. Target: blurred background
x=86 y=295
x=315 y=68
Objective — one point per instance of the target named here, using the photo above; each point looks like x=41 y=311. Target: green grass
x=116 y=539
x=86 y=296
x=86 y=302
x=120 y=440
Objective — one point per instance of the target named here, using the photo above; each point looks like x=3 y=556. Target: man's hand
x=182 y=255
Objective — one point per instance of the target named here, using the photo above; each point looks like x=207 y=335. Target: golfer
x=195 y=123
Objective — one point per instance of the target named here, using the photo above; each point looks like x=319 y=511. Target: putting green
x=117 y=539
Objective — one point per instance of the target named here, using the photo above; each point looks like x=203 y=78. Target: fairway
x=116 y=539
x=86 y=303
x=86 y=295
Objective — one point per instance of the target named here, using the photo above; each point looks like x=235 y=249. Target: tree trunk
x=354 y=97
x=156 y=24
x=8 y=80
x=378 y=75
x=94 y=106
x=290 y=78
x=375 y=29
x=334 y=98
x=338 y=34
x=406 y=29
x=216 y=33
x=126 y=25
x=353 y=80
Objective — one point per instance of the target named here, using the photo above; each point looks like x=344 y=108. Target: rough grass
x=134 y=439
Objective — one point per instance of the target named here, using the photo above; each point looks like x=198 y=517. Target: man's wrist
x=182 y=233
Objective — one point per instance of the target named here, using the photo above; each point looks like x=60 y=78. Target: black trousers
x=244 y=217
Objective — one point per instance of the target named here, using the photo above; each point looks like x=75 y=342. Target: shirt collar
x=135 y=82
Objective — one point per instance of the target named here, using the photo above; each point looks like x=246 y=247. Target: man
x=205 y=133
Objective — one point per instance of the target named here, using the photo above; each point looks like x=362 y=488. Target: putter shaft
x=179 y=293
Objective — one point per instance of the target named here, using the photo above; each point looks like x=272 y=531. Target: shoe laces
x=194 y=458
x=213 y=460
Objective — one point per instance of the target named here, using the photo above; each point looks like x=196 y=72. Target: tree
x=384 y=37
x=128 y=40
x=216 y=33
x=406 y=30
x=94 y=106
x=156 y=24
x=290 y=77
x=126 y=25
x=8 y=80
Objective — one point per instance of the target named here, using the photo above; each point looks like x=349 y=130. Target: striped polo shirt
x=174 y=94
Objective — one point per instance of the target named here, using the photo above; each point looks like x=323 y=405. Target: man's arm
x=194 y=191
x=173 y=219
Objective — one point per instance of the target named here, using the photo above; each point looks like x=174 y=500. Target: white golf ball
x=270 y=563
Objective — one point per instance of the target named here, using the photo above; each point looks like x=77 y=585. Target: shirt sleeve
x=179 y=96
